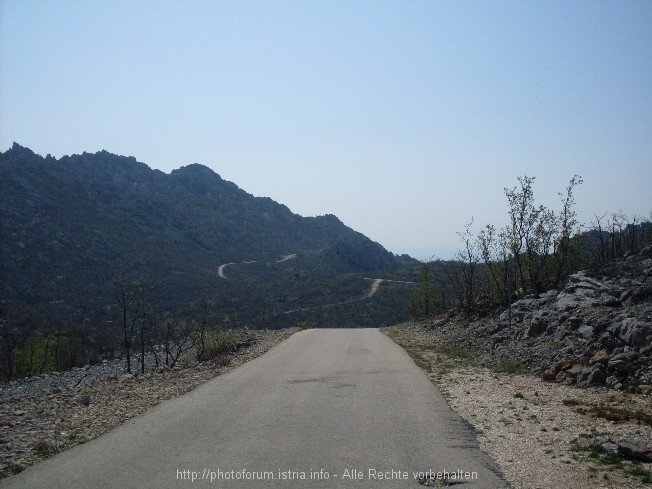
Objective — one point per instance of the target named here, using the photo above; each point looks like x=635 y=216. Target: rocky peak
x=201 y=180
x=19 y=153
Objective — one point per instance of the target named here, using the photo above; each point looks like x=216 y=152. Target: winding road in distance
x=373 y=289
x=327 y=408
x=220 y=270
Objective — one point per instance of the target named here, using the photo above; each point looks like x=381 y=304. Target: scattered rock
x=592 y=377
x=555 y=369
x=537 y=326
x=126 y=378
x=635 y=452
x=601 y=357
x=603 y=322
x=609 y=447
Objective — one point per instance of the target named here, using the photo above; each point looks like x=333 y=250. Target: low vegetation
x=604 y=463
x=617 y=415
x=535 y=252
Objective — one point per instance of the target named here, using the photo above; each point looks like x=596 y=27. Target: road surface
x=338 y=408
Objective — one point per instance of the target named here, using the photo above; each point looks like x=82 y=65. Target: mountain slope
x=71 y=225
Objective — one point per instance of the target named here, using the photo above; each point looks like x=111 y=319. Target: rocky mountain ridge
x=70 y=224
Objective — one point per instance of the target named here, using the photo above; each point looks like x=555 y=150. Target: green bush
x=510 y=367
x=307 y=324
x=219 y=343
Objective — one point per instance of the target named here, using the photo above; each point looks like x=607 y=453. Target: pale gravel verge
x=523 y=423
x=37 y=427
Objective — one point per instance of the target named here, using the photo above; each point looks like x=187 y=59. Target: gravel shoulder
x=35 y=427
x=541 y=434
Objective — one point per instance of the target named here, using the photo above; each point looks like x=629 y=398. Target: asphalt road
x=326 y=408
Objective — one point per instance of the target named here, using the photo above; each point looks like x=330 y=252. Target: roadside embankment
x=51 y=414
x=541 y=434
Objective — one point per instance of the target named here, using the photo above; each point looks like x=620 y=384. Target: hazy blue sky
x=403 y=118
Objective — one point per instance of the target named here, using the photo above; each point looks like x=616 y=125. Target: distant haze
x=404 y=119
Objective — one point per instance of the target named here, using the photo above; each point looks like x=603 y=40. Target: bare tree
x=145 y=336
x=131 y=299
x=632 y=229
x=178 y=339
x=8 y=342
x=494 y=248
x=469 y=258
x=202 y=327
x=462 y=275
x=568 y=223
x=597 y=225
x=616 y=233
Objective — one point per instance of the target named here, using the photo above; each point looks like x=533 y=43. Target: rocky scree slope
x=596 y=331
